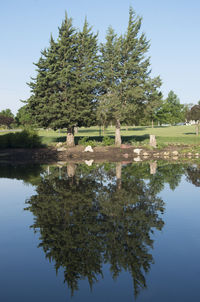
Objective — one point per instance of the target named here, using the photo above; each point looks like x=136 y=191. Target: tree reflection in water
x=88 y=216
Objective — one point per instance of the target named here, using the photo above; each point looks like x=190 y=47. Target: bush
x=85 y=141
x=23 y=139
x=108 y=141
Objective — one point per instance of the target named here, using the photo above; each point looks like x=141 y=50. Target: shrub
x=23 y=139
x=108 y=141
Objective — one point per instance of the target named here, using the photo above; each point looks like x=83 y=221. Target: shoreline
x=125 y=153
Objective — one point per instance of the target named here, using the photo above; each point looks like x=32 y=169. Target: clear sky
x=172 y=26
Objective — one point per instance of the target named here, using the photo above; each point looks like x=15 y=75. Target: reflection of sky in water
x=25 y=275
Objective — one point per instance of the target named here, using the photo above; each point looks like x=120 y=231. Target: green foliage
x=7 y=112
x=6 y=120
x=65 y=88
x=171 y=111
x=127 y=86
x=108 y=141
x=86 y=141
x=23 y=139
x=23 y=117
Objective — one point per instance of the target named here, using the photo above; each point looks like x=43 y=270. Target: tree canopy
x=79 y=83
x=65 y=89
x=171 y=111
x=6 y=118
x=127 y=86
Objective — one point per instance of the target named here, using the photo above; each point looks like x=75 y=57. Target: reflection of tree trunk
x=60 y=172
x=70 y=137
x=117 y=134
x=153 y=167
x=71 y=169
x=119 y=175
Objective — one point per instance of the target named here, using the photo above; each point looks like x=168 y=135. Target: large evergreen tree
x=64 y=91
x=128 y=87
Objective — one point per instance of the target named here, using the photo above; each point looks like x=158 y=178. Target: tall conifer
x=126 y=74
x=64 y=91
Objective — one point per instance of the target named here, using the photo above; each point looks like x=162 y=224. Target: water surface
x=90 y=233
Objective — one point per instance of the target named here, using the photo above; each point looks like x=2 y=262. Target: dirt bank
x=109 y=154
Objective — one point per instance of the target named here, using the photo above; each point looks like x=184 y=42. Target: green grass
x=135 y=135
x=164 y=135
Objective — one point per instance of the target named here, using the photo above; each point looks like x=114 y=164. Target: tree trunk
x=152 y=125
x=70 y=137
x=119 y=175
x=197 y=129
x=76 y=130
x=103 y=128
x=152 y=141
x=118 y=140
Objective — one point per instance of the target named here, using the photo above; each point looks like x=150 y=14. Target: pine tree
x=126 y=76
x=64 y=91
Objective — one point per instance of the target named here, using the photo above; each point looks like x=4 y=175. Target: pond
x=100 y=232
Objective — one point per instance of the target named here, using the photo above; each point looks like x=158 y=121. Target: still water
x=121 y=232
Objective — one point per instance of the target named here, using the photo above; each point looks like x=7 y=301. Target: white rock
x=175 y=153
x=89 y=162
x=137 y=159
x=61 y=149
x=137 y=151
x=59 y=145
x=88 y=149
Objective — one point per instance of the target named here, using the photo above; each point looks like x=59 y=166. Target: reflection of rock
x=89 y=162
x=153 y=167
x=125 y=155
x=71 y=169
x=88 y=149
x=137 y=159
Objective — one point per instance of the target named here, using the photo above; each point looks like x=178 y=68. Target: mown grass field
x=164 y=135
x=133 y=135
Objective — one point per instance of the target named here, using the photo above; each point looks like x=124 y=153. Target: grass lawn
x=164 y=135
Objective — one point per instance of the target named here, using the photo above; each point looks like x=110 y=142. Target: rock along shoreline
x=125 y=153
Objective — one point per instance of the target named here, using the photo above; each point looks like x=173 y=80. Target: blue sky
x=173 y=27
